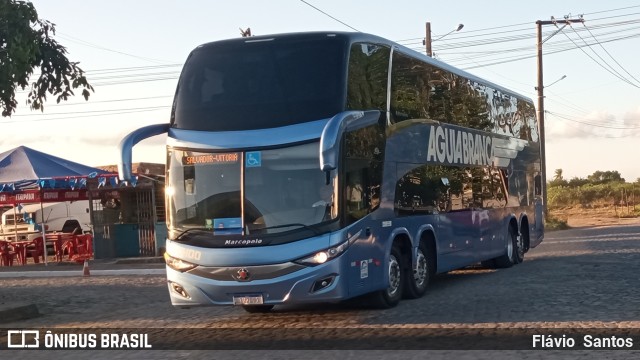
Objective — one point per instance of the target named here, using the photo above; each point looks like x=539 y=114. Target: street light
x=562 y=78
x=428 y=41
x=460 y=26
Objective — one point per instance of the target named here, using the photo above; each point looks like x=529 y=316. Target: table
x=62 y=241
x=20 y=248
x=7 y=253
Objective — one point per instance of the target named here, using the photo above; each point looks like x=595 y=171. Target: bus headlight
x=323 y=256
x=177 y=264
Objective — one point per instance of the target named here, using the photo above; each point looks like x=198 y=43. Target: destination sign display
x=217 y=158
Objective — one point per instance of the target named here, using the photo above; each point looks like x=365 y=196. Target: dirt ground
x=579 y=216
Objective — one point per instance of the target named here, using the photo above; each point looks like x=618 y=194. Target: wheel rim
x=520 y=249
x=510 y=245
x=420 y=272
x=394 y=276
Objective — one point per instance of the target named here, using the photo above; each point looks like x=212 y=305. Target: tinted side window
x=368 y=75
x=422 y=91
x=421 y=190
x=430 y=189
x=364 y=152
x=410 y=87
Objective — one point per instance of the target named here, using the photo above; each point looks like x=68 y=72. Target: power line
x=614 y=72
x=591 y=133
x=340 y=21
x=111 y=77
x=92 y=111
x=606 y=126
x=518 y=58
x=605 y=50
x=127 y=69
x=86 y=43
x=135 y=81
x=83 y=116
x=108 y=101
x=611 y=10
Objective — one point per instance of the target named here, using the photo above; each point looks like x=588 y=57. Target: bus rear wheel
x=417 y=278
x=513 y=246
x=256 y=309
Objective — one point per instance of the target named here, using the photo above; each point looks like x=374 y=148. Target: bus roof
x=354 y=37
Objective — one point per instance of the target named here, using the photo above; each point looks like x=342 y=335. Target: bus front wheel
x=391 y=296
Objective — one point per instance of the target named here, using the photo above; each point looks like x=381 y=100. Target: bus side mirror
x=126 y=146
x=335 y=129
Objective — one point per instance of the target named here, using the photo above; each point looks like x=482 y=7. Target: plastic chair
x=89 y=244
x=84 y=248
x=70 y=247
x=7 y=254
x=37 y=250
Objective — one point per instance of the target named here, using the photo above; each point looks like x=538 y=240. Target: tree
x=558 y=175
x=27 y=43
x=577 y=181
x=603 y=177
x=558 y=179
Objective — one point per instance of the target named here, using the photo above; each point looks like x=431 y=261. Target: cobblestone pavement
x=585 y=278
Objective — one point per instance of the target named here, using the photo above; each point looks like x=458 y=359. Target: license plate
x=248 y=300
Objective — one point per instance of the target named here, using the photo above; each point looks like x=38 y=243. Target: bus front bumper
x=204 y=286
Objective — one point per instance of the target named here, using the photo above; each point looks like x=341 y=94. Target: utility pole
x=427 y=40
x=543 y=156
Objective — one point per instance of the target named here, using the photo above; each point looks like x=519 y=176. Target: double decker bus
x=318 y=167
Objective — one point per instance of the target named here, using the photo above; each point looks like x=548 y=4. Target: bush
x=553 y=223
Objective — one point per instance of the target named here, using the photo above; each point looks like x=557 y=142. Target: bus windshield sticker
x=226 y=226
x=217 y=158
x=253 y=159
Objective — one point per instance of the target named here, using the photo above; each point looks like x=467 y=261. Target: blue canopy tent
x=24 y=165
x=31 y=176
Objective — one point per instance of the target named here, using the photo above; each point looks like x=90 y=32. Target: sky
x=133 y=51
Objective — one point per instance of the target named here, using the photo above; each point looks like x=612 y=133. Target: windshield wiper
x=201 y=229
x=306 y=227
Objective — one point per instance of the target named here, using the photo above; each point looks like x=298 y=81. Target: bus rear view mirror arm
x=125 y=148
x=335 y=129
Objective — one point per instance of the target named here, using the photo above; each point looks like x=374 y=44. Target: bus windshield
x=283 y=190
x=257 y=84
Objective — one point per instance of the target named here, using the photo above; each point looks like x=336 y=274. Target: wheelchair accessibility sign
x=253 y=159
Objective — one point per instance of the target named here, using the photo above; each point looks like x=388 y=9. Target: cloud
x=631 y=119
x=597 y=124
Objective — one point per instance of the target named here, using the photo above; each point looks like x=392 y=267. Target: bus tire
x=488 y=264
x=509 y=258
x=417 y=279
x=256 y=309
x=390 y=297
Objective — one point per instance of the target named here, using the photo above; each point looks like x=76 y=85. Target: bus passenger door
x=362 y=169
